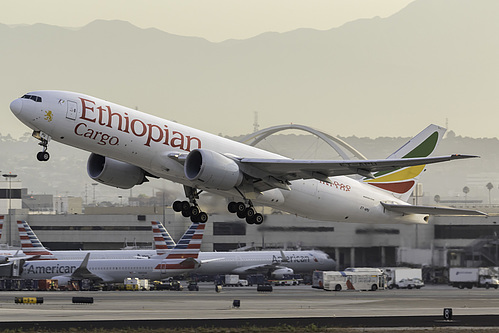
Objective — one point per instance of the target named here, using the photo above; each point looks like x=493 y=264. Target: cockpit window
x=33 y=98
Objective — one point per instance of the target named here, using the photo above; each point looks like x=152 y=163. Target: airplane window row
x=33 y=97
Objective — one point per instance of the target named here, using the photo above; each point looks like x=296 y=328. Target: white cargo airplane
x=127 y=146
x=181 y=259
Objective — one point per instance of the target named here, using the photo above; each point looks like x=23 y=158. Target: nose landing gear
x=42 y=156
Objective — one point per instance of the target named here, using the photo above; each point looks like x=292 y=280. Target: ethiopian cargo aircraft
x=128 y=146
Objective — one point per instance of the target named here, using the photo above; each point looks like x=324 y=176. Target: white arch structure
x=337 y=144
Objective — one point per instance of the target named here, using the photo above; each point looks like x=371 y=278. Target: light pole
x=94 y=185
x=9 y=176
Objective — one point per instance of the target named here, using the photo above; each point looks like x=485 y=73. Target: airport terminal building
x=445 y=241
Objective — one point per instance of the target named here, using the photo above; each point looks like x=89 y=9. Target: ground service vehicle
x=469 y=277
x=344 y=280
x=410 y=283
x=397 y=274
x=382 y=278
x=193 y=286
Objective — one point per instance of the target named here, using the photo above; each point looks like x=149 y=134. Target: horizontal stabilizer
x=430 y=210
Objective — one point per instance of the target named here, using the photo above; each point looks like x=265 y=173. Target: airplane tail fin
x=162 y=239
x=30 y=244
x=402 y=181
x=185 y=253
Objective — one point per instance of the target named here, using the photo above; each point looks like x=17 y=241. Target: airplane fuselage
x=108 y=270
x=262 y=262
x=148 y=142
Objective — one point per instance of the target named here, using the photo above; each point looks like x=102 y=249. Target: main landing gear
x=244 y=211
x=42 y=156
x=190 y=208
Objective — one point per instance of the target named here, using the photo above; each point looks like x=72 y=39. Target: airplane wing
x=82 y=271
x=276 y=173
x=305 y=169
x=430 y=210
x=256 y=268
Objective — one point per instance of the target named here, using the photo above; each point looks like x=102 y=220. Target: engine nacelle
x=280 y=272
x=4 y=259
x=62 y=280
x=115 y=173
x=212 y=170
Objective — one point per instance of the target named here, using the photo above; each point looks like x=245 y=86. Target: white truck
x=398 y=276
x=469 y=277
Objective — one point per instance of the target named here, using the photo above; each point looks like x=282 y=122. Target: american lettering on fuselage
x=105 y=117
x=292 y=258
x=54 y=269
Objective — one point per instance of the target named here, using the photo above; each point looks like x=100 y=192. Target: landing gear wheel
x=177 y=206
x=241 y=207
x=250 y=212
x=232 y=207
x=43 y=156
x=186 y=205
x=194 y=218
x=202 y=217
x=186 y=213
x=250 y=220
x=195 y=211
x=258 y=218
x=241 y=214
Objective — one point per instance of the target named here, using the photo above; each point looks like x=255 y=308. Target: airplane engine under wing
x=4 y=259
x=280 y=272
x=212 y=170
x=62 y=280
x=112 y=172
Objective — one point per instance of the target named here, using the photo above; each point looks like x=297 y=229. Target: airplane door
x=72 y=110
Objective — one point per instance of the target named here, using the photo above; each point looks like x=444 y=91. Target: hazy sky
x=215 y=20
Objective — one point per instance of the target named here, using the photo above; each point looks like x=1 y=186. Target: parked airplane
x=181 y=259
x=127 y=146
x=210 y=263
x=272 y=263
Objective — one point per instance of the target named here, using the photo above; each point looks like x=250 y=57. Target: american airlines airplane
x=272 y=263
x=128 y=146
x=275 y=263
x=181 y=259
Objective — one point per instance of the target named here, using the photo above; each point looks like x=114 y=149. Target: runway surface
x=293 y=305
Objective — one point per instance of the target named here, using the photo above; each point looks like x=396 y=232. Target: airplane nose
x=16 y=106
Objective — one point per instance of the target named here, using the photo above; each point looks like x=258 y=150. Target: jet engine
x=212 y=170
x=4 y=259
x=112 y=172
x=62 y=280
x=280 y=272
